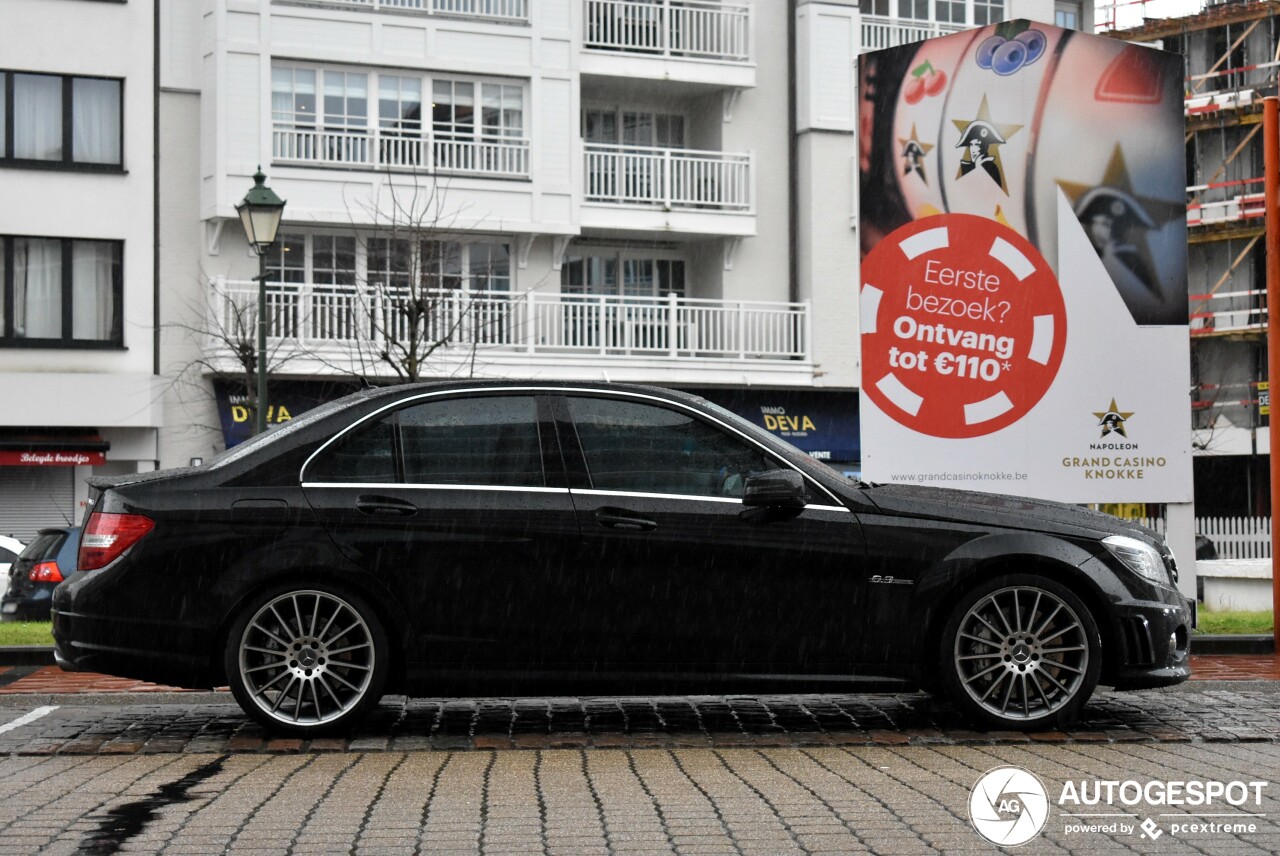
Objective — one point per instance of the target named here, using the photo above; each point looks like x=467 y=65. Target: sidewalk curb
x=26 y=655
x=1241 y=643
x=1211 y=644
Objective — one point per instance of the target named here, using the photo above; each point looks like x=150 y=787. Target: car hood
x=993 y=509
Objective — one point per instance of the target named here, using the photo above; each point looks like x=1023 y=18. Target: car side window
x=365 y=455
x=487 y=440
x=646 y=448
x=7 y=556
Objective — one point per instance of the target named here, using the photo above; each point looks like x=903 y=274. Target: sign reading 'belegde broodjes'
x=52 y=459
x=1023 y=297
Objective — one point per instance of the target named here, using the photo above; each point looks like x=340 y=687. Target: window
x=51 y=119
x=649 y=449
x=648 y=130
x=487 y=440
x=287 y=259
x=491 y=440
x=642 y=276
x=293 y=96
x=987 y=12
x=1067 y=14
x=60 y=292
x=333 y=259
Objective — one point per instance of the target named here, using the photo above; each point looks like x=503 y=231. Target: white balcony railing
x=568 y=326
x=698 y=29
x=500 y=158
x=880 y=32
x=671 y=178
x=505 y=11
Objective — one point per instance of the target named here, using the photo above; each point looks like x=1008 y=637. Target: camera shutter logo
x=1008 y=806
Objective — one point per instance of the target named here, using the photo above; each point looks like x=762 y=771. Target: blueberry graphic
x=987 y=49
x=1009 y=57
x=1035 y=42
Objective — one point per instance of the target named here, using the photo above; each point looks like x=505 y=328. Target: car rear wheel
x=306 y=661
x=1020 y=652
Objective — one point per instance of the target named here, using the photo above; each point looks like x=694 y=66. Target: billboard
x=1024 y=245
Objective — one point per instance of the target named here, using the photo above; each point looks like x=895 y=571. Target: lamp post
x=260 y=214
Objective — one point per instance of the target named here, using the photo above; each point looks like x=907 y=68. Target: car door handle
x=385 y=505
x=620 y=518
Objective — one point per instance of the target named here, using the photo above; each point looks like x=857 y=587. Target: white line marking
x=933 y=239
x=1012 y=258
x=897 y=392
x=870 y=308
x=1041 y=339
x=987 y=409
x=28 y=718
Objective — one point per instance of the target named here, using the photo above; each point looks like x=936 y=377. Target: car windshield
x=44 y=547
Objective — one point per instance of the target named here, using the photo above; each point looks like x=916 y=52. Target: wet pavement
x=96 y=765
x=1232 y=699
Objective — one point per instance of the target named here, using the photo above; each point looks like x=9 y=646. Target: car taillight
x=45 y=572
x=107 y=536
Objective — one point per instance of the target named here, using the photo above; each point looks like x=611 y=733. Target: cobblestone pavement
x=87 y=724
x=766 y=801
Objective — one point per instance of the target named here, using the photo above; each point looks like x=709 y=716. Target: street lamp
x=260 y=214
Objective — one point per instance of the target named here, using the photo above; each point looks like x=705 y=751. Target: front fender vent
x=1137 y=641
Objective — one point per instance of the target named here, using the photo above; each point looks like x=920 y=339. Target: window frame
x=67 y=162
x=549 y=450
x=66 y=341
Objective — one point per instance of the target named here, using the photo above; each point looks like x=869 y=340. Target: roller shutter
x=32 y=498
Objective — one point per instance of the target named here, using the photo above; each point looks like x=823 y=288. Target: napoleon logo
x=981 y=138
x=1113 y=419
x=913 y=153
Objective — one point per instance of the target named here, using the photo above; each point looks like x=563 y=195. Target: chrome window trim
x=688 y=497
x=420 y=486
x=566 y=390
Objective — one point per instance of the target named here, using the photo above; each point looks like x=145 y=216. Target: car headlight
x=1138 y=556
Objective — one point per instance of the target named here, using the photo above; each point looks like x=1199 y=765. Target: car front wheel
x=306 y=661
x=1020 y=652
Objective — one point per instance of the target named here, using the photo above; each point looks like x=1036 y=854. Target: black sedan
x=521 y=537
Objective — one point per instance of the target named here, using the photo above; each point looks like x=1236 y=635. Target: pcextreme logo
x=1008 y=806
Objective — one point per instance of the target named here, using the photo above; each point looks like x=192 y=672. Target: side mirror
x=775 y=489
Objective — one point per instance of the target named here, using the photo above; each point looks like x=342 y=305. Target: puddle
x=125 y=821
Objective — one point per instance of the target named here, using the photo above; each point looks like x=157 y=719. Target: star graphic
x=1113 y=195
x=915 y=164
x=1113 y=419
x=1002 y=133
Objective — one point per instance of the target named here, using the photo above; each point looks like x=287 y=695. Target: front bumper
x=1153 y=641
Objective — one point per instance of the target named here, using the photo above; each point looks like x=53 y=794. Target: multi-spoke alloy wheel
x=306 y=660
x=1021 y=654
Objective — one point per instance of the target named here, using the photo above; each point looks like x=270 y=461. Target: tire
x=306 y=661
x=1020 y=652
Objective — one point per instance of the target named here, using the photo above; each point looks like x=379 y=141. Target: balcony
x=497 y=11
x=320 y=328
x=683 y=190
x=695 y=41
x=879 y=32
x=427 y=153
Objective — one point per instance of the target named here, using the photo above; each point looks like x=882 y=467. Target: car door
x=682 y=576
x=458 y=504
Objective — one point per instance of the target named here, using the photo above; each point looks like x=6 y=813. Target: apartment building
x=1230 y=52
x=636 y=190
x=79 y=380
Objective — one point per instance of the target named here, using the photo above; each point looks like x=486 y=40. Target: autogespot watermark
x=1010 y=806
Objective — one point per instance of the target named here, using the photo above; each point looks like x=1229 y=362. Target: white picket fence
x=1234 y=537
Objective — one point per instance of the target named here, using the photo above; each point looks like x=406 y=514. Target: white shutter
x=32 y=498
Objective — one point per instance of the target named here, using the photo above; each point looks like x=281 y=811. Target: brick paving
x=746 y=801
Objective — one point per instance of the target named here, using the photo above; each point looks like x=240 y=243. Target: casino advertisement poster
x=1023 y=297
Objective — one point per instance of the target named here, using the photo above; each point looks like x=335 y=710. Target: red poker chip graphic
x=963 y=326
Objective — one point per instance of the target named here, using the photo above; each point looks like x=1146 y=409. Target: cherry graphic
x=925 y=80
